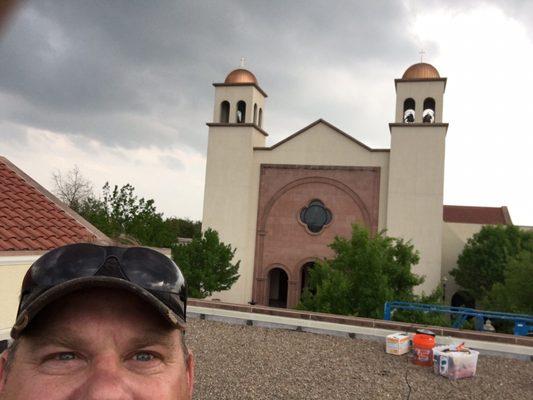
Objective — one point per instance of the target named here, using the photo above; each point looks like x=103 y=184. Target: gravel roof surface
x=247 y=362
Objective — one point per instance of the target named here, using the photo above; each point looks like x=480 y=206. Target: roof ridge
x=328 y=124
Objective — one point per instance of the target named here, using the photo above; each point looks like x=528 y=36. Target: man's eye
x=64 y=357
x=143 y=356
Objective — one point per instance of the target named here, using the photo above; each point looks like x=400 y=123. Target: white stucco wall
x=416 y=181
x=12 y=271
x=454 y=238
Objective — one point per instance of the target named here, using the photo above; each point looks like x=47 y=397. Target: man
x=99 y=322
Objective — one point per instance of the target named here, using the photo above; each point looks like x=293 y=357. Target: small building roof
x=477 y=215
x=33 y=219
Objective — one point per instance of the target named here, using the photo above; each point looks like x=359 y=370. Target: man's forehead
x=77 y=337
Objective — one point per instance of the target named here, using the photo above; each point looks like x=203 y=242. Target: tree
x=183 y=228
x=365 y=273
x=515 y=294
x=72 y=188
x=206 y=264
x=486 y=256
x=122 y=215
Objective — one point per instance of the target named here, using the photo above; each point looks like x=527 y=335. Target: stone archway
x=278 y=288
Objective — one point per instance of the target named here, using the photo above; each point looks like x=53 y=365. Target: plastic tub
x=453 y=363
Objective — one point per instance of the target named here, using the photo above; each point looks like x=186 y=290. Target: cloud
x=171 y=176
x=123 y=89
x=488 y=143
x=131 y=75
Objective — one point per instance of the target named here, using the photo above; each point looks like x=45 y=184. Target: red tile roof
x=31 y=218
x=477 y=215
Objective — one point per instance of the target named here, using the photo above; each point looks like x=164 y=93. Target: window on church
x=315 y=216
x=241 y=112
x=255 y=114
x=409 y=111
x=428 y=115
x=224 y=112
x=260 y=118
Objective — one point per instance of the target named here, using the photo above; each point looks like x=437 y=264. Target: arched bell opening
x=277 y=288
x=224 y=112
x=260 y=123
x=409 y=111
x=241 y=112
x=428 y=115
x=255 y=114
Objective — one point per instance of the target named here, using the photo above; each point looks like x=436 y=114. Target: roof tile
x=31 y=219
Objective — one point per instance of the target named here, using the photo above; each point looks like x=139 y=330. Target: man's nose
x=106 y=380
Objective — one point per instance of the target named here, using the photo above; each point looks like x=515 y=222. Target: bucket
x=423 y=344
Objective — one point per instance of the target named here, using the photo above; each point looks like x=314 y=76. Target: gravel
x=247 y=362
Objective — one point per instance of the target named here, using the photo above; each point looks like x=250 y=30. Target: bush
x=365 y=272
x=515 y=294
x=486 y=256
x=422 y=317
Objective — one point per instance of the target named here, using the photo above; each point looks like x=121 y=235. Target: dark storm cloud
x=132 y=73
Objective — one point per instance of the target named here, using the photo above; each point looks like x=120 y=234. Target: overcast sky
x=123 y=88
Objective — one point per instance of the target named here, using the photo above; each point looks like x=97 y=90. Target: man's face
x=98 y=344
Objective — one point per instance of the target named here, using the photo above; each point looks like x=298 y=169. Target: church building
x=281 y=206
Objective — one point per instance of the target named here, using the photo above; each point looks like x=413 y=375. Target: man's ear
x=190 y=373
x=3 y=371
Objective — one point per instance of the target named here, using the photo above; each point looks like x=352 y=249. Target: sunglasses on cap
x=143 y=271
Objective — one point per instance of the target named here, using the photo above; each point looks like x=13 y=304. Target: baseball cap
x=142 y=271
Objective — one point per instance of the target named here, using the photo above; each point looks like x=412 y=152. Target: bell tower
x=230 y=171
x=416 y=168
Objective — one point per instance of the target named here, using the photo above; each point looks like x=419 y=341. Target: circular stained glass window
x=315 y=216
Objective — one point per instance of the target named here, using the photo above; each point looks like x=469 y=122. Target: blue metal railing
x=523 y=323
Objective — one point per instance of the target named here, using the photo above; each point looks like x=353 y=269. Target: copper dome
x=421 y=71
x=241 y=75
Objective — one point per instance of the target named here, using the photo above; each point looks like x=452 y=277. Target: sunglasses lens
x=66 y=263
x=152 y=270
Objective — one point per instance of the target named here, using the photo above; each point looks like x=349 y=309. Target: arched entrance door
x=278 y=285
x=463 y=299
x=305 y=275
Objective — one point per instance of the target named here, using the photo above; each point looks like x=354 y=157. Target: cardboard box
x=398 y=343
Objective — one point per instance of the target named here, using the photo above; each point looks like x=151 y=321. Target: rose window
x=315 y=216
